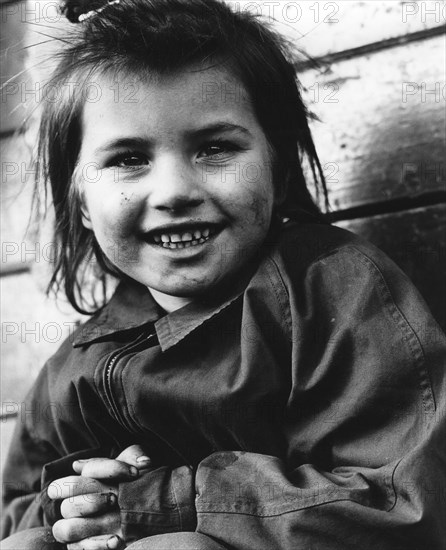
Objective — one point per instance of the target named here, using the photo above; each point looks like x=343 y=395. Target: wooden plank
x=17 y=189
x=12 y=62
x=33 y=328
x=30 y=32
x=416 y=241
x=7 y=429
x=322 y=27
x=318 y=27
x=382 y=133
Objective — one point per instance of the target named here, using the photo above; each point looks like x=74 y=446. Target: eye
x=129 y=159
x=218 y=149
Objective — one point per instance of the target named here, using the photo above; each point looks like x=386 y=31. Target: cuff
x=162 y=500
x=55 y=470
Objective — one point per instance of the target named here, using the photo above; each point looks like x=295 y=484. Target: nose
x=174 y=186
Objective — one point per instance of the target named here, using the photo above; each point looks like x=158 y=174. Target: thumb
x=134 y=456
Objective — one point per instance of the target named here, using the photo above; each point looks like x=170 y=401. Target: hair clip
x=89 y=14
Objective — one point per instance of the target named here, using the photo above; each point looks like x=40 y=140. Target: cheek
x=261 y=209
x=112 y=212
x=258 y=198
x=125 y=199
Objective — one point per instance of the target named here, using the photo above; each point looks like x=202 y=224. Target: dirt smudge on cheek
x=125 y=199
x=258 y=209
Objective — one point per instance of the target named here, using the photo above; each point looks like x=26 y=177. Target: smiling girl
x=175 y=189
x=260 y=379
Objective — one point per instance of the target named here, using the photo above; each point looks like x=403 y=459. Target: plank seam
x=15 y=269
x=390 y=206
x=6 y=416
x=372 y=47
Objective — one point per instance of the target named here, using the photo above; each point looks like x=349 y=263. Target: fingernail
x=113 y=542
x=133 y=471
x=142 y=459
x=111 y=498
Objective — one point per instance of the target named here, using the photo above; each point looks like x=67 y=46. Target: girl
x=259 y=379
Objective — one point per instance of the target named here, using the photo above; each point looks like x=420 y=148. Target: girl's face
x=176 y=180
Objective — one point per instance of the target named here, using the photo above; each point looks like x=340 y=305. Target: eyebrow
x=219 y=127
x=121 y=143
x=138 y=142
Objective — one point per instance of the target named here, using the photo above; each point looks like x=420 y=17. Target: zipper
x=138 y=345
x=135 y=346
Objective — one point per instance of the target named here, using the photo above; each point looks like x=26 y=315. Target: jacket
x=303 y=410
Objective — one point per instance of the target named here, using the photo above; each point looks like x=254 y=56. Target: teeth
x=188 y=244
x=185 y=237
x=185 y=240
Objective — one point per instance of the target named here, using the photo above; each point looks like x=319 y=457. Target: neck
x=167 y=302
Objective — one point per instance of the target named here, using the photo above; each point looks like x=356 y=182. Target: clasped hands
x=89 y=500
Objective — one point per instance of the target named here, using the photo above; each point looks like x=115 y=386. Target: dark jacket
x=304 y=410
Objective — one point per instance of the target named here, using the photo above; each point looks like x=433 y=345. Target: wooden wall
x=33 y=327
x=379 y=93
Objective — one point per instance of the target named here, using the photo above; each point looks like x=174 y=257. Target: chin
x=188 y=289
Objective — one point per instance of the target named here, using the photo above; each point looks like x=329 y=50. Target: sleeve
x=23 y=468
x=35 y=460
x=366 y=460
x=161 y=501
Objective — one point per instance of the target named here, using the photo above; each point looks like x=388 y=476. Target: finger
x=71 y=486
x=134 y=455
x=76 y=529
x=104 y=542
x=88 y=505
x=105 y=468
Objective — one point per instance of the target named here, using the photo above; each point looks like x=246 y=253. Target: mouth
x=182 y=236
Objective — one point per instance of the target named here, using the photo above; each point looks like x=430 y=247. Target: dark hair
x=146 y=36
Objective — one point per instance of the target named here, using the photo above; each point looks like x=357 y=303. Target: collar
x=132 y=307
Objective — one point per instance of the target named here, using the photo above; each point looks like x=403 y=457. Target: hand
x=89 y=500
